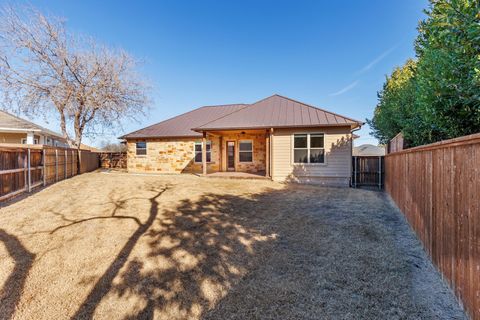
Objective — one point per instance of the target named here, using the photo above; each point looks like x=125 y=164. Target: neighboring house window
x=141 y=147
x=309 y=148
x=198 y=151
x=245 y=150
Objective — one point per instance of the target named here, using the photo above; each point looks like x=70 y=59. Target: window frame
x=243 y=151
x=309 y=148
x=200 y=143
x=24 y=141
x=137 y=148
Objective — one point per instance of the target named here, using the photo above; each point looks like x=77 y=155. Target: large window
x=245 y=151
x=198 y=151
x=309 y=148
x=141 y=148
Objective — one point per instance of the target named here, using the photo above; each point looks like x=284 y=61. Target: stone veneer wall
x=176 y=155
x=170 y=155
x=259 y=150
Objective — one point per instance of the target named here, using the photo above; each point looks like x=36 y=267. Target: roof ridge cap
x=224 y=105
x=226 y=115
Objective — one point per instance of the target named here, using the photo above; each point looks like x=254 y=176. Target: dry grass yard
x=118 y=246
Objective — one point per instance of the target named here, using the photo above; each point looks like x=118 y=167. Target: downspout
x=351 y=156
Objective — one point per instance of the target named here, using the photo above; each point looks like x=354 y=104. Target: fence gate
x=368 y=171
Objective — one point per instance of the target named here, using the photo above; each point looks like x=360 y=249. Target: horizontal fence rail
x=25 y=167
x=437 y=187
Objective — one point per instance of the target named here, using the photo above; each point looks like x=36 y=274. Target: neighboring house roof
x=10 y=122
x=180 y=126
x=87 y=147
x=272 y=112
x=368 y=150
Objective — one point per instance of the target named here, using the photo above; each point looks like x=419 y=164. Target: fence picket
x=437 y=187
x=23 y=168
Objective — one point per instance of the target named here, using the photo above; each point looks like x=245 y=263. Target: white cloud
x=346 y=89
x=375 y=61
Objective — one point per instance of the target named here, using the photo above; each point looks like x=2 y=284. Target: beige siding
x=337 y=167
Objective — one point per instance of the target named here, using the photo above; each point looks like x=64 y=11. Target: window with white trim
x=141 y=148
x=245 y=151
x=309 y=148
x=24 y=141
x=198 y=151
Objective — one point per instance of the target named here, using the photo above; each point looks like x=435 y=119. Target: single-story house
x=368 y=150
x=15 y=130
x=281 y=138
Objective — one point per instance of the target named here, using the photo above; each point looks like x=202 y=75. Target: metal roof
x=278 y=112
x=181 y=125
x=272 y=112
x=11 y=122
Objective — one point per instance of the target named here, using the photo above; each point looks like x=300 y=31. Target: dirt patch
x=122 y=246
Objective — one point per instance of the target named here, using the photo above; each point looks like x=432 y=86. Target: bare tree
x=44 y=68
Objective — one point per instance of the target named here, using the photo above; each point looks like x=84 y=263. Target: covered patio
x=241 y=153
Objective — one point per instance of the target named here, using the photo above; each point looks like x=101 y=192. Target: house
x=15 y=130
x=283 y=139
x=368 y=150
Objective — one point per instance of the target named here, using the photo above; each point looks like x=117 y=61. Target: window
x=141 y=148
x=198 y=151
x=245 y=151
x=308 y=148
x=24 y=141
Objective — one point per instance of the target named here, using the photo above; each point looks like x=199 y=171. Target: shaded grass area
x=119 y=246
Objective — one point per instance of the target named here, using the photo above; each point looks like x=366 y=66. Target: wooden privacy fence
x=368 y=171
x=116 y=160
x=437 y=187
x=23 y=168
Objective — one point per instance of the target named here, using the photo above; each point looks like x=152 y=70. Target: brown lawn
x=119 y=246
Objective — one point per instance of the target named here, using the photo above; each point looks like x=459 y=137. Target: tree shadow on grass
x=199 y=251
x=13 y=286
x=104 y=284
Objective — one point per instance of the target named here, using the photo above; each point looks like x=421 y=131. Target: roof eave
x=157 y=137
x=352 y=125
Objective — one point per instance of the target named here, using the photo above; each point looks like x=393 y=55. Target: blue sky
x=332 y=54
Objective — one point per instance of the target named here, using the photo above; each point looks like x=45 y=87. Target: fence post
x=72 y=163
x=44 y=159
x=65 y=165
x=355 y=171
x=56 y=165
x=29 y=171
x=25 y=170
x=379 y=172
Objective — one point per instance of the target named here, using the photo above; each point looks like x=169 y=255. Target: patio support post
x=267 y=153
x=204 y=153
x=271 y=153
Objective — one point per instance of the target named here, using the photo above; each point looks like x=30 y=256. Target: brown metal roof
x=272 y=112
x=278 y=112
x=180 y=126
